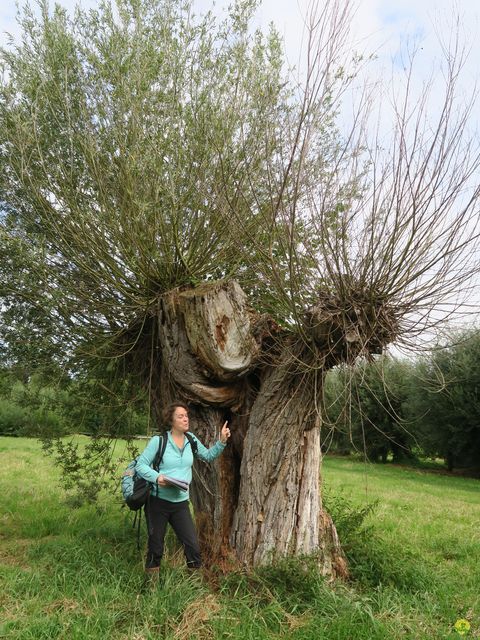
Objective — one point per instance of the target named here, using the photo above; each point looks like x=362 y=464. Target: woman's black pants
x=161 y=512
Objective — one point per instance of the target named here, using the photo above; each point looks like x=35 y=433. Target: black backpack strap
x=193 y=444
x=162 y=445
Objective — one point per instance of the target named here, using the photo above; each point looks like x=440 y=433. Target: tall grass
x=412 y=540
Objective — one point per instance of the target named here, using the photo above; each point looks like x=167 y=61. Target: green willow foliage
x=142 y=151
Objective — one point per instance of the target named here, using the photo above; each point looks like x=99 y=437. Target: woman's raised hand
x=224 y=433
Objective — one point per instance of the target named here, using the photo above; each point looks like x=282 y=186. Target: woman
x=167 y=503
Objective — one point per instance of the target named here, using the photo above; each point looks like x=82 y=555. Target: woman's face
x=180 y=419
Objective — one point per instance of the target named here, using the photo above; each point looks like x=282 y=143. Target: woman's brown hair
x=169 y=410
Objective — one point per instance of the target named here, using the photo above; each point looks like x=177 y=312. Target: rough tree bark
x=279 y=509
x=262 y=498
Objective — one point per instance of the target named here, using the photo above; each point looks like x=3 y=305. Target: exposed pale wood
x=206 y=342
x=218 y=328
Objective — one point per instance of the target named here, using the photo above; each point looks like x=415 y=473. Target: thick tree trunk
x=279 y=510
x=207 y=347
x=261 y=499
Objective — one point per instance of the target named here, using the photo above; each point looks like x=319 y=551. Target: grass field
x=76 y=573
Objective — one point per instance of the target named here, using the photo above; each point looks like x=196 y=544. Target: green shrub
x=372 y=561
x=296 y=582
x=349 y=518
x=13 y=418
x=44 y=423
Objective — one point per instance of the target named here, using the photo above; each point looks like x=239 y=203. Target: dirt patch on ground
x=196 y=619
x=14 y=553
x=65 y=605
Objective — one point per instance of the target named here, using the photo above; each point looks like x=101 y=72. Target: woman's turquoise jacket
x=176 y=463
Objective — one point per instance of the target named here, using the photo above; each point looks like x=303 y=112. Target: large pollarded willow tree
x=174 y=201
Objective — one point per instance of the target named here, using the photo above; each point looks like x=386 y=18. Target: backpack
x=136 y=490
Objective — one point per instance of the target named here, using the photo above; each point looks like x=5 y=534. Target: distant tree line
x=399 y=410
x=51 y=404
x=388 y=409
